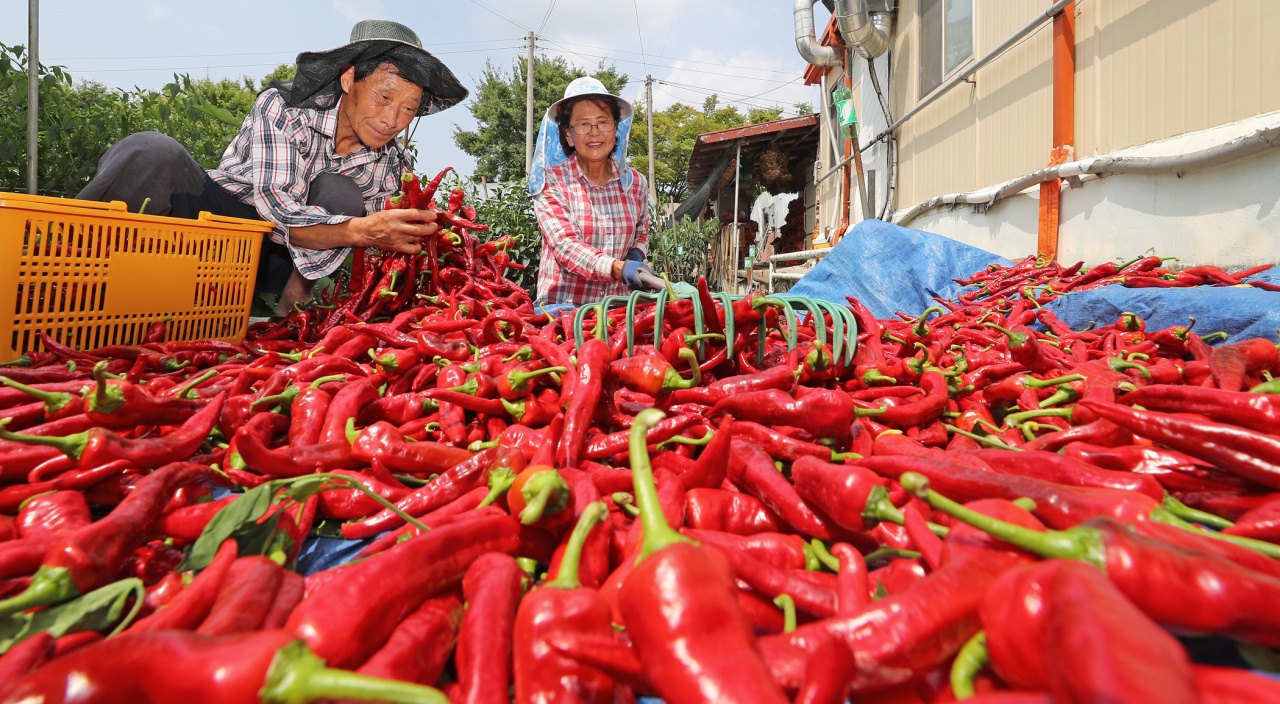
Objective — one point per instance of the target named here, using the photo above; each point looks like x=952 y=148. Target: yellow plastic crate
x=91 y=274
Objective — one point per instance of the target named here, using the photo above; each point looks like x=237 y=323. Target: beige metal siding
x=1145 y=70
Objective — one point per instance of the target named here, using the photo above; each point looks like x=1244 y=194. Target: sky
x=742 y=50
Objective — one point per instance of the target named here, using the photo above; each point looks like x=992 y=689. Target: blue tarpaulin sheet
x=894 y=269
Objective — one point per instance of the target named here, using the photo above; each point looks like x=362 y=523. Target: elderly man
x=317 y=157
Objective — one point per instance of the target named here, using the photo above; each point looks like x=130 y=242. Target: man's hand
x=395 y=230
x=389 y=230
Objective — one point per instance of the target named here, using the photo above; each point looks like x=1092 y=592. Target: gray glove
x=631 y=271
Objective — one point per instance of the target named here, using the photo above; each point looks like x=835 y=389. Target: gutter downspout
x=865 y=30
x=1064 y=105
x=806 y=41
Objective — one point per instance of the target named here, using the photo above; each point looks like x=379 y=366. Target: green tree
x=498 y=107
x=78 y=122
x=675 y=131
x=283 y=73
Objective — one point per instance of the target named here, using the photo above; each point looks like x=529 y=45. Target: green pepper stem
x=500 y=480
x=479 y=445
x=54 y=401
x=23 y=361
x=983 y=439
x=874 y=376
x=103 y=400
x=788 y=606
x=519 y=379
x=879 y=508
x=1187 y=513
x=1015 y=338
x=921 y=328
x=625 y=502
x=297 y=676
x=567 y=576
x=658 y=534
x=890 y=554
x=1079 y=543
x=824 y=555
x=49 y=585
x=673 y=379
x=1017 y=418
x=1046 y=383
x=1064 y=394
x=545 y=494
x=683 y=440
x=327 y=379
x=470 y=388
x=969 y=661
x=182 y=393
x=284 y=397
x=71 y=445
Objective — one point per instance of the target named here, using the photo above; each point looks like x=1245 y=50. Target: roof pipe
x=806 y=41
x=865 y=29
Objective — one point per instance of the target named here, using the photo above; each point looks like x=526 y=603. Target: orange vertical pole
x=1064 y=126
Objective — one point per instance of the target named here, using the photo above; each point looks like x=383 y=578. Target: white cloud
x=157 y=12
x=355 y=10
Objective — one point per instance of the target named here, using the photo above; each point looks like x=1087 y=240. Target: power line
x=645 y=61
x=546 y=17
x=249 y=53
x=674 y=12
x=209 y=66
x=479 y=4
x=678 y=68
x=673 y=58
x=728 y=98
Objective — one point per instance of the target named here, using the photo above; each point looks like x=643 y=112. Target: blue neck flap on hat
x=549 y=152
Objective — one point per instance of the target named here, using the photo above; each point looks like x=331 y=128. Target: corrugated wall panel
x=1145 y=70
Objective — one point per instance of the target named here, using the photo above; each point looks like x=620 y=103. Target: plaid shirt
x=272 y=161
x=584 y=228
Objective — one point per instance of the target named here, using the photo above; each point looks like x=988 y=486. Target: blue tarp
x=891 y=269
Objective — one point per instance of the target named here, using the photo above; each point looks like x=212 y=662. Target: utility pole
x=33 y=91
x=528 y=109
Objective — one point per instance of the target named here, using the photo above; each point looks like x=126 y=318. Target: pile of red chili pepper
x=983 y=504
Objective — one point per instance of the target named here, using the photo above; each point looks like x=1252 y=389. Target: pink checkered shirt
x=279 y=150
x=586 y=227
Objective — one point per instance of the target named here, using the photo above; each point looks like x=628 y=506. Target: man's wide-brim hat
x=316 y=83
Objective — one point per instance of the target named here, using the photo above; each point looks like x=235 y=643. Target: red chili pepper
x=419 y=648
x=244 y=597
x=562 y=608
x=753 y=470
x=1061 y=626
x=1242 y=452
x=88 y=557
x=593 y=361
x=905 y=635
x=679 y=609
x=266 y=666
x=1181 y=589
x=190 y=607
x=250 y=449
x=852 y=496
x=1230 y=364
x=345 y=625
x=444 y=488
x=823 y=412
x=493 y=586
x=728 y=511
x=46 y=516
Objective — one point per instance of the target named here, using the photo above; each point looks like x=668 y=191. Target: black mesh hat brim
x=316 y=83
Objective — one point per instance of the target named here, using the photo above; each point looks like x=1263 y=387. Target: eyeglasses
x=605 y=126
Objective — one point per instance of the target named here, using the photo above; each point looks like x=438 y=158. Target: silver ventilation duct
x=806 y=41
x=865 y=25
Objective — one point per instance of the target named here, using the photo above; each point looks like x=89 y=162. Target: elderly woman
x=592 y=208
